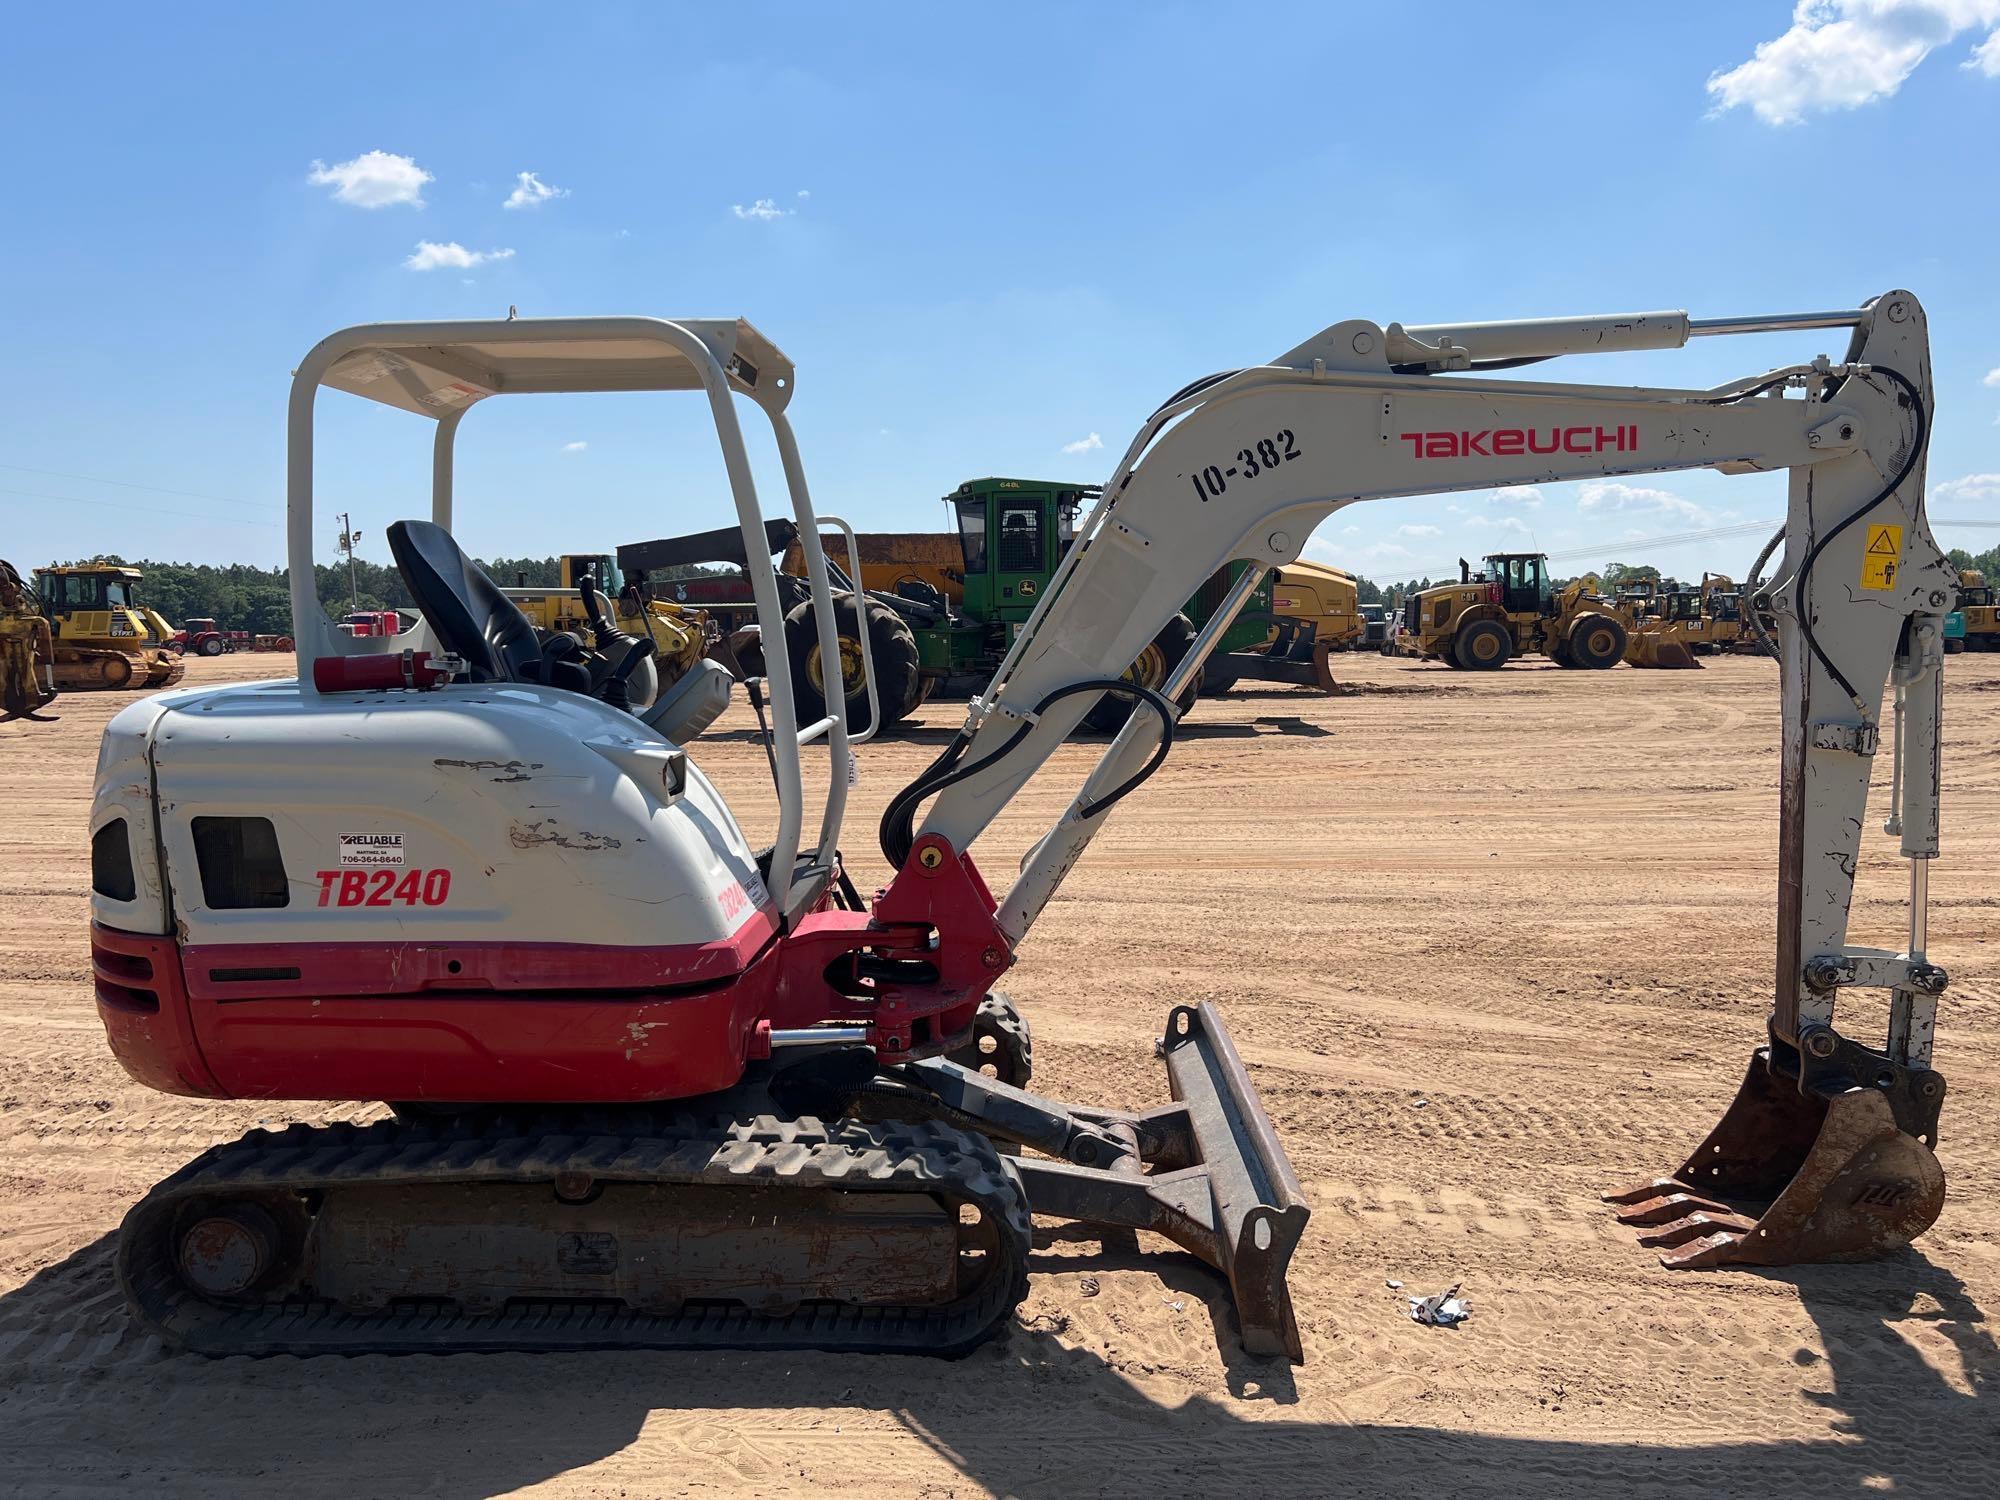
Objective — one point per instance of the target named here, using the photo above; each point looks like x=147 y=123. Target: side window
x=239 y=863
x=972 y=535
x=1021 y=539
x=111 y=862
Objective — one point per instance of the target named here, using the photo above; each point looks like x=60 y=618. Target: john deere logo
x=1027 y=588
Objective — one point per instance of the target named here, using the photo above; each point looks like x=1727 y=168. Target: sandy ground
x=1491 y=945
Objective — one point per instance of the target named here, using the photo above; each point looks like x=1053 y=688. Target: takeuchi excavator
x=695 y=1093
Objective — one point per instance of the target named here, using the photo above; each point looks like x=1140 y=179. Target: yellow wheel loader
x=104 y=638
x=27 y=650
x=680 y=635
x=1511 y=608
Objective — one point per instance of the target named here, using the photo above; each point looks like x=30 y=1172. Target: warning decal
x=1880 y=557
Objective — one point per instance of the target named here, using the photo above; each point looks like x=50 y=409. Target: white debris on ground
x=1445 y=1309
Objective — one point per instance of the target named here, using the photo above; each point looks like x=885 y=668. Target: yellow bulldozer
x=104 y=638
x=1512 y=608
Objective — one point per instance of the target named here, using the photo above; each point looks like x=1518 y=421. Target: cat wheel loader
x=1510 y=608
x=698 y=1093
x=1981 y=615
x=680 y=636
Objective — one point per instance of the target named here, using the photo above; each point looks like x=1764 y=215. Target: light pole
x=348 y=537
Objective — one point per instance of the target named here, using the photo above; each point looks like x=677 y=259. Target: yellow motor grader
x=1512 y=608
x=104 y=637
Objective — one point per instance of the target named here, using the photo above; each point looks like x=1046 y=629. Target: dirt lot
x=1490 y=945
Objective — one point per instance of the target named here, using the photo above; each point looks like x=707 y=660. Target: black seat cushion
x=467 y=611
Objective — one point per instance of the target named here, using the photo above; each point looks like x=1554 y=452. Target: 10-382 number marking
x=1265 y=454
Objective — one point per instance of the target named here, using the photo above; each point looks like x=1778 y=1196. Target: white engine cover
x=473 y=813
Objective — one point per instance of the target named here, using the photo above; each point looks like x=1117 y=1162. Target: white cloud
x=430 y=256
x=1419 y=531
x=805 y=192
x=574 y=447
x=1524 y=495
x=374 y=179
x=1608 y=495
x=1973 y=489
x=531 y=192
x=1986 y=57
x=1840 y=54
x=765 y=209
x=1992 y=377
x=1512 y=525
x=1350 y=531
x=1084 y=444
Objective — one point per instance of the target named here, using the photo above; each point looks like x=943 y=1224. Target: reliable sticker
x=370 y=851
x=1880 y=557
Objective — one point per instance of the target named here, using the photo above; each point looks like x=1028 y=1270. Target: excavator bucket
x=1648 y=650
x=1840 y=1169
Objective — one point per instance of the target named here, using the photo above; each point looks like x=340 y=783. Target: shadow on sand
x=89 y=1407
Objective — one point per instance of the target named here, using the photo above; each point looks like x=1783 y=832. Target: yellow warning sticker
x=1880 y=557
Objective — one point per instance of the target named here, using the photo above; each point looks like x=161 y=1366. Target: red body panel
x=547 y=1022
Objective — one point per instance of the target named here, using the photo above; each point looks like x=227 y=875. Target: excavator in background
x=1511 y=607
x=27 y=650
x=654 y=1085
x=104 y=637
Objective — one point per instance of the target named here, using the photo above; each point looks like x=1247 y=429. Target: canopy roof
x=435 y=369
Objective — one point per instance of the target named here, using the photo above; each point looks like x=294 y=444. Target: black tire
x=1483 y=646
x=1952 y=648
x=1155 y=664
x=1597 y=642
x=213 y=646
x=1001 y=1045
x=891 y=645
x=1217 y=678
x=1559 y=654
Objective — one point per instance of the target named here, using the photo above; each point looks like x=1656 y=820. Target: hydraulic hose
x=899 y=817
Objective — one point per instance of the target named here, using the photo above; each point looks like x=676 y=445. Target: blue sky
x=992 y=238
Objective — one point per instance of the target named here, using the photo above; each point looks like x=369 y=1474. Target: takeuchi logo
x=1506 y=442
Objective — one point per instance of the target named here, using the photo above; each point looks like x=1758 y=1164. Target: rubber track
x=846 y=1155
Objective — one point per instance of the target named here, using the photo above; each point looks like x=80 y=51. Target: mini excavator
x=693 y=1093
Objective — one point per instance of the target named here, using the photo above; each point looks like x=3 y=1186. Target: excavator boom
x=1246 y=464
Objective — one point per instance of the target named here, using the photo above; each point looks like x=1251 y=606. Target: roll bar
x=441 y=370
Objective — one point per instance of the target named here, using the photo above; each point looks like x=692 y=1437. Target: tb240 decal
x=383 y=887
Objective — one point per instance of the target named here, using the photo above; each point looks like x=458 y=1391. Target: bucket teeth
x=1719 y=1249
x=1674 y=1203
x=1698 y=1225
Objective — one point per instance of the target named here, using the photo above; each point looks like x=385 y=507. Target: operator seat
x=470 y=614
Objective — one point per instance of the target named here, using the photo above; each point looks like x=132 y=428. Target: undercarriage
x=895 y=1219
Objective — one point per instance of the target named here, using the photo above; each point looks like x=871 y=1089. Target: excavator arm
x=1246 y=465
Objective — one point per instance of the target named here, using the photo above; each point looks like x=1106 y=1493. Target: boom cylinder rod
x=1773 y=323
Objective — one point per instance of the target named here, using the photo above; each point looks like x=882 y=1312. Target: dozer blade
x=1838 y=1170
x=1260 y=1209
x=1208 y=1172
x=1657 y=651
